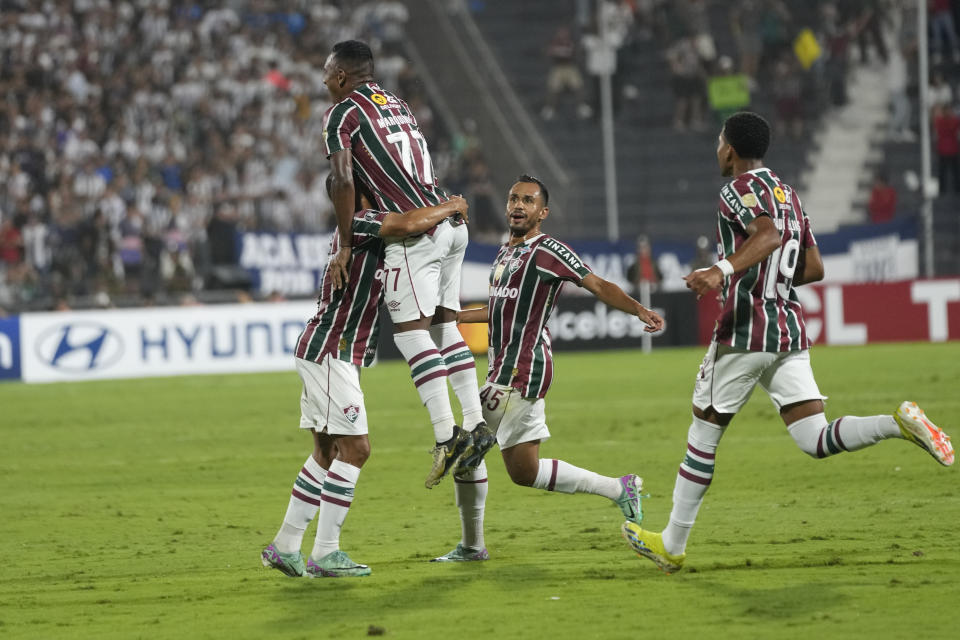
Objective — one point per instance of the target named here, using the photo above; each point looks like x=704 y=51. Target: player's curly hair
x=354 y=54
x=748 y=134
x=536 y=181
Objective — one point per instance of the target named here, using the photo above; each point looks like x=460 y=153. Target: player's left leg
x=326 y=558
x=792 y=388
x=471 y=492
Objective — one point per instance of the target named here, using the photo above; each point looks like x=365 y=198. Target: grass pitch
x=138 y=509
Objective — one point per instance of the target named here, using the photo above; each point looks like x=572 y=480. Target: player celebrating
x=371 y=132
x=526 y=279
x=338 y=340
x=767 y=249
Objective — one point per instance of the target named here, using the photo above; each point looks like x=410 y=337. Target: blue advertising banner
x=10 y=348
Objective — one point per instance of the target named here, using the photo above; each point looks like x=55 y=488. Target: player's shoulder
x=740 y=192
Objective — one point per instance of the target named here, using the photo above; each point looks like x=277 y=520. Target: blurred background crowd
x=138 y=136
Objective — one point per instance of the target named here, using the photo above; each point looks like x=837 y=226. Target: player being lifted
x=767 y=248
x=371 y=132
x=337 y=341
x=526 y=279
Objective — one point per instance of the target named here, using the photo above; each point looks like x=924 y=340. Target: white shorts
x=331 y=401
x=728 y=376
x=423 y=273
x=513 y=418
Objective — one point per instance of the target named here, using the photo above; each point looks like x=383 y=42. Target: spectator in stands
x=728 y=91
x=939 y=92
x=687 y=78
x=745 y=25
x=901 y=107
x=705 y=255
x=883 y=198
x=644 y=270
x=943 y=31
x=11 y=243
x=564 y=75
x=946 y=126
x=787 y=92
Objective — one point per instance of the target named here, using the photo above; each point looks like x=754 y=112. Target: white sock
x=335 y=503
x=304 y=502
x=693 y=480
x=557 y=475
x=461 y=371
x=471 y=492
x=819 y=439
x=429 y=375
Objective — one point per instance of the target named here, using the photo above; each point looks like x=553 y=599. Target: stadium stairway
x=847 y=143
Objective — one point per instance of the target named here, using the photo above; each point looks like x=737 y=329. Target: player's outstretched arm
x=809 y=267
x=401 y=225
x=467 y=316
x=613 y=296
x=343 y=196
x=762 y=241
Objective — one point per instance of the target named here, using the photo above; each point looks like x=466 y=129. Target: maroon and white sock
x=303 y=506
x=461 y=371
x=429 y=373
x=557 y=475
x=335 y=503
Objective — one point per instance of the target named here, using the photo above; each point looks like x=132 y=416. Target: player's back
x=389 y=152
x=761 y=310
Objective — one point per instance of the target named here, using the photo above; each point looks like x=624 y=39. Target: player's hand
x=704 y=280
x=651 y=318
x=460 y=207
x=340 y=267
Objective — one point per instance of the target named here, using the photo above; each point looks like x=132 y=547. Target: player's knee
x=354 y=449
x=522 y=475
x=806 y=433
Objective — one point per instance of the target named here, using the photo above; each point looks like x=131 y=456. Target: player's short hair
x=355 y=55
x=543 y=188
x=748 y=134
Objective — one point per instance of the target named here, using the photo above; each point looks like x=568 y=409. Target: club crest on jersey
x=370 y=216
x=779 y=195
x=749 y=200
x=379 y=98
x=514 y=264
x=351 y=413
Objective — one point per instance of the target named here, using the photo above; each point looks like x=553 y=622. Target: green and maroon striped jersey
x=389 y=152
x=345 y=324
x=760 y=310
x=524 y=284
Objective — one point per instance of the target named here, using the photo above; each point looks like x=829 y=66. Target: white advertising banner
x=133 y=343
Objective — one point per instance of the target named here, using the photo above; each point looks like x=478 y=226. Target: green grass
x=138 y=509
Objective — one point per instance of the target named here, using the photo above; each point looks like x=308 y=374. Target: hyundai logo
x=79 y=346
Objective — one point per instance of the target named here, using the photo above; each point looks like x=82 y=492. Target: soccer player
x=337 y=341
x=526 y=279
x=371 y=132
x=767 y=248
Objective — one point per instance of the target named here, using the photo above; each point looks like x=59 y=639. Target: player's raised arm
x=762 y=241
x=343 y=195
x=613 y=296
x=399 y=225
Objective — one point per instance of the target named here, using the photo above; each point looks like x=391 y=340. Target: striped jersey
x=345 y=324
x=389 y=152
x=524 y=284
x=760 y=310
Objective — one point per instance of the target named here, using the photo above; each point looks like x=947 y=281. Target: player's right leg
x=522 y=426
x=724 y=384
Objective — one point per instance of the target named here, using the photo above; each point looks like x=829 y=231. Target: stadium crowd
x=137 y=136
